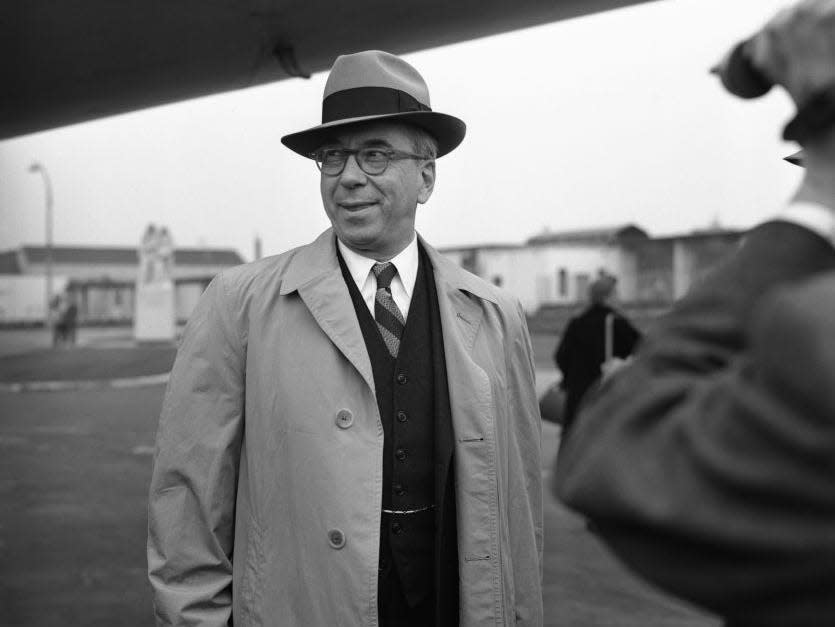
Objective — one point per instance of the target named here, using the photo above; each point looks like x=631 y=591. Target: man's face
x=374 y=215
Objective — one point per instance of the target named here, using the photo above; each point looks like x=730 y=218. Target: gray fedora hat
x=375 y=85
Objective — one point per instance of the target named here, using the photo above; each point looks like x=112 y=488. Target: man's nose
x=352 y=175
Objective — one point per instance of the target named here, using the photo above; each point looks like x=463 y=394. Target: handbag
x=552 y=403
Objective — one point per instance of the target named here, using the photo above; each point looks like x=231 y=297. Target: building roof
x=127 y=256
x=595 y=236
x=470 y=247
x=207 y=257
x=712 y=233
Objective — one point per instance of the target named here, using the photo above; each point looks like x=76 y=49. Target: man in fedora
x=351 y=434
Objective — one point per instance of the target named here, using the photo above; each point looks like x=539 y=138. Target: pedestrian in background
x=592 y=342
x=69 y=319
x=56 y=317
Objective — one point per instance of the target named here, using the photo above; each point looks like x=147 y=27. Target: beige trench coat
x=267 y=484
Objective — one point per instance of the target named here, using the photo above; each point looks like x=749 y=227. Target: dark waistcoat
x=413 y=399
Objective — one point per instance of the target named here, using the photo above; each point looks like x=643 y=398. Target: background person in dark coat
x=69 y=321
x=708 y=464
x=582 y=348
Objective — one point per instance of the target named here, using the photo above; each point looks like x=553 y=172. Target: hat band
x=364 y=101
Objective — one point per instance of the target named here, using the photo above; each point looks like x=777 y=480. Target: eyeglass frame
x=392 y=154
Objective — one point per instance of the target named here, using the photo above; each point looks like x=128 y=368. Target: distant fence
x=552 y=319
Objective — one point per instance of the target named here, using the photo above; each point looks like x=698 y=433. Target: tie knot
x=384 y=272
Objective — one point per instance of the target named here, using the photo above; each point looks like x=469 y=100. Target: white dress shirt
x=403 y=283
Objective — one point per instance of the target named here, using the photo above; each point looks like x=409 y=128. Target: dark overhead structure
x=68 y=61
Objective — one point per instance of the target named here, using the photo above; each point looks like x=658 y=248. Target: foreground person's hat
x=370 y=86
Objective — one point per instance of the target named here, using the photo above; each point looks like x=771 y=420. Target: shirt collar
x=406 y=262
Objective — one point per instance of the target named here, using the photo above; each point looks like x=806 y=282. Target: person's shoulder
x=619 y=315
x=801 y=309
x=255 y=276
x=450 y=272
x=590 y=314
x=788 y=244
x=485 y=290
x=505 y=299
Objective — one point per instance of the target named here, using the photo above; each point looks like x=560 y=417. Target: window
x=562 y=283
x=582 y=287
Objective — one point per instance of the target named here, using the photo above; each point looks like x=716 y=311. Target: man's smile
x=355 y=205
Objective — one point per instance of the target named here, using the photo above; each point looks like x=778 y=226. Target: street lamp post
x=37 y=167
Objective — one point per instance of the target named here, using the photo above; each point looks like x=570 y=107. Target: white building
x=102 y=280
x=550 y=270
x=555 y=268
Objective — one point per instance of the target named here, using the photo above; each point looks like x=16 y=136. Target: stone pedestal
x=155 y=316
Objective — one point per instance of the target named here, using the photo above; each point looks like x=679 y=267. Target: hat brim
x=448 y=130
x=796 y=158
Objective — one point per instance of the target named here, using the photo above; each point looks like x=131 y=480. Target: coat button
x=401 y=416
x=401 y=378
x=336 y=538
x=400 y=454
x=396 y=528
x=344 y=419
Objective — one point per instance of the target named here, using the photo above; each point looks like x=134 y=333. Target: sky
x=597 y=121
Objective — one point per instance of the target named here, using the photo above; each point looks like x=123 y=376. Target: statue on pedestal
x=156 y=255
x=155 y=317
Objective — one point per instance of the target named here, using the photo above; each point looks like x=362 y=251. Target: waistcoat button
x=399 y=490
x=401 y=416
x=336 y=538
x=344 y=419
x=401 y=378
x=396 y=528
x=400 y=454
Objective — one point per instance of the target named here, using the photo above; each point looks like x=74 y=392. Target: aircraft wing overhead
x=63 y=62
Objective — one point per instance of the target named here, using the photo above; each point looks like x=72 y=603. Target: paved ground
x=17 y=341
x=74 y=471
x=87 y=363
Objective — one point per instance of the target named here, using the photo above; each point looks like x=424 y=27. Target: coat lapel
x=460 y=297
x=315 y=274
x=462 y=301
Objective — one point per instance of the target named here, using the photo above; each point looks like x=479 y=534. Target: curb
x=95 y=384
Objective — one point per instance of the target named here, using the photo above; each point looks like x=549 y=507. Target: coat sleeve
x=708 y=464
x=564 y=352
x=526 y=430
x=193 y=486
x=626 y=337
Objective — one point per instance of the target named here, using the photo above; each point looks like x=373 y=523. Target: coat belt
x=408 y=511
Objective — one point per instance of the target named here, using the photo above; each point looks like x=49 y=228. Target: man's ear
x=427 y=174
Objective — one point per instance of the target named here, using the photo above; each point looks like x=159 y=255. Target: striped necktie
x=389 y=319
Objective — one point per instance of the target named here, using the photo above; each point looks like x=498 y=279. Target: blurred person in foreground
x=599 y=339
x=708 y=464
x=351 y=434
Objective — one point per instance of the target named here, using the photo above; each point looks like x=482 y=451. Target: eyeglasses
x=331 y=161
